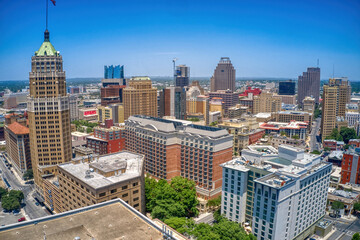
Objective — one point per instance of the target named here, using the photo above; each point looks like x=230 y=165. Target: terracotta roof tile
x=17 y=128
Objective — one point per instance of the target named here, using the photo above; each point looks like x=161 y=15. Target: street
x=31 y=210
x=344 y=229
x=314 y=145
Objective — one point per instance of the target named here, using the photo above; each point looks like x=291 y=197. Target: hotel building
x=180 y=148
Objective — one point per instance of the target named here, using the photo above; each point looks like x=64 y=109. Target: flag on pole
x=54 y=2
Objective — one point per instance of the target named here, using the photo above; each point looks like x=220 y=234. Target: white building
x=352 y=118
x=286 y=196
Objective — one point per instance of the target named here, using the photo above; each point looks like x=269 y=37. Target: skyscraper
x=111 y=72
x=224 y=76
x=335 y=96
x=309 y=84
x=140 y=98
x=49 y=112
x=182 y=76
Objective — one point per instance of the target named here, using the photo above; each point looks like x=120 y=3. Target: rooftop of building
x=342 y=195
x=87 y=172
x=336 y=155
x=140 y=78
x=79 y=134
x=18 y=129
x=46 y=48
x=264 y=149
x=166 y=125
x=263 y=115
x=282 y=125
x=295 y=112
x=113 y=219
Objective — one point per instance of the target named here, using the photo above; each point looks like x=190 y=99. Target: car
x=21 y=219
x=37 y=204
x=16 y=211
x=6 y=211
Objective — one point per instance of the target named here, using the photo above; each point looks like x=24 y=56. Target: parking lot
x=9 y=218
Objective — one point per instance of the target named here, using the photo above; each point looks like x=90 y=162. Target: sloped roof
x=18 y=129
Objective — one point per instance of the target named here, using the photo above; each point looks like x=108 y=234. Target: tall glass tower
x=113 y=71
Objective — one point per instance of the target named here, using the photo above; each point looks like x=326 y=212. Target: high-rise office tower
x=49 y=112
x=140 y=98
x=309 y=84
x=172 y=102
x=335 y=96
x=113 y=72
x=287 y=88
x=182 y=76
x=224 y=76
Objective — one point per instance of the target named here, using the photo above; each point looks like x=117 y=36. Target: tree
x=29 y=174
x=10 y=203
x=214 y=203
x=316 y=152
x=347 y=134
x=214 y=123
x=89 y=130
x=17 y=194
x=357 y=206
x=336 y=206
x=335 y=135
x=182 y=225
x=177 y=199
x=356 y=236
x=3 y=192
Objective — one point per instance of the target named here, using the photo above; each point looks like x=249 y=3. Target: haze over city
x=262 y=38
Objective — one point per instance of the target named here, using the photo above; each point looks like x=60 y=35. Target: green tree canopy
x=356 y=236
x=29 y=174
x=347 y=134
x=3 y=192
x=357 y=206
x=336 y=206
x=177 y=199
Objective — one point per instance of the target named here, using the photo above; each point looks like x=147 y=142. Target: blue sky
x=262 y=38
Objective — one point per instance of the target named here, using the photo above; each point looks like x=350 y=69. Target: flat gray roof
x=111 y=162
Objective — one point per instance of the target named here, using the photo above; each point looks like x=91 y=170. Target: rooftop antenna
x=318 y=63
x=46 y=34
x=333 y=70
x=174 y=60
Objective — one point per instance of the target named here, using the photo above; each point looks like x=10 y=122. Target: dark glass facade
x=287 y=88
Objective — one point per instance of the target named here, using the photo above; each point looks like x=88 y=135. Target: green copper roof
x=46 y=48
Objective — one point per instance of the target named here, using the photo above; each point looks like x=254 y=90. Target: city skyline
x=260 y=43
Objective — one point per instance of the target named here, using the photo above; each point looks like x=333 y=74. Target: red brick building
x=256 y=135
x=350 y=166
x=174 y=148
x=107 y=139
x=111 y=94
x=333 y=144
x=354 y=142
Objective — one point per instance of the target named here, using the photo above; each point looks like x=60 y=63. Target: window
x=135 y=192
x=113 y=191
x=125 y=195
x=102 y=194
x=124 y=187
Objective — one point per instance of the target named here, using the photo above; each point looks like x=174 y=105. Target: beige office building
x=309 y=104
x=89 y=180
x=266 y=102
x=335 y=96
x=140 y=98
x=49 y=112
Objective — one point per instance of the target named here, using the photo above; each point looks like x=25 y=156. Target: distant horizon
x=171 y=78
x=261 y=38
